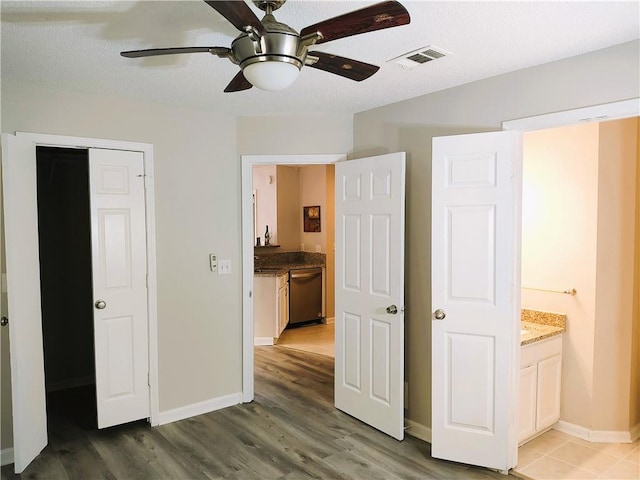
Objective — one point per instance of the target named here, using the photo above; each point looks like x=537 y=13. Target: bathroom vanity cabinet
x=540 y=380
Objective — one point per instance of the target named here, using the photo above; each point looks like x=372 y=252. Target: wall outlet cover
x=224 y=267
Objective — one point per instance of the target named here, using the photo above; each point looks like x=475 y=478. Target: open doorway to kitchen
x=281 y=187
x=294 y=257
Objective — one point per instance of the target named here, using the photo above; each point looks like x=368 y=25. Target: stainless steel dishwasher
x=305 y=295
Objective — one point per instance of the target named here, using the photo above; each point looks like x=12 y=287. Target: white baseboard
x=417 y=430
x=70 y=383
x=6 y=456
x=263 y=340
x=597 y=436
x=199 y=408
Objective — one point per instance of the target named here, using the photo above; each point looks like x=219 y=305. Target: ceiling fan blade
x=376 y=17
x=237 y=12
x=152 y=52
x=345 y=67
x=238 y=84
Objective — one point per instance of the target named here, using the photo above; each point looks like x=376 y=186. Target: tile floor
x=315 y=338
x=555 y=455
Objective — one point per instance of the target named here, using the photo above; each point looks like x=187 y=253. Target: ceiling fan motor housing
x=278 y=42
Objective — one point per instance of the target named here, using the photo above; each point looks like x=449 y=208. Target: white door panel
x=119 y=280
x=369 y=374
x=23 y=294
x=475 y=264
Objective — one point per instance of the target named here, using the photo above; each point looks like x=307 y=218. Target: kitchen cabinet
x=270 y=307
x=283 y=303
x=540 y=380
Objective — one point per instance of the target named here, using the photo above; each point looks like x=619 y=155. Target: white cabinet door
x=369 y=369
x=283 y=309
x=527 y=402
x=549 y=378
x=475 y=256
x=119 y=267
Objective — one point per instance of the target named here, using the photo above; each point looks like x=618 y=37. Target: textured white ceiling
x=75 y=45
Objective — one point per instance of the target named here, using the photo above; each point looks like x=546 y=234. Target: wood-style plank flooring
x=291 y=431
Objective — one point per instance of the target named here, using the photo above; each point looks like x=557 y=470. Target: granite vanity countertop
x=536 y=325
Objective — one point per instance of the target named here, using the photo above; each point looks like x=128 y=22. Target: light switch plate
x=224 y=267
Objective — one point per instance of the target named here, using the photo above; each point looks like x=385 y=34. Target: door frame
x=61 y=141
x=248 y=237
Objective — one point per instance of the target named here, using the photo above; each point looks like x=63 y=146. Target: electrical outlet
x=318 y=249
x=224 y=267
x=213 y=262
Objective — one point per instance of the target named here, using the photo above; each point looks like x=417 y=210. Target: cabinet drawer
x=537 y=351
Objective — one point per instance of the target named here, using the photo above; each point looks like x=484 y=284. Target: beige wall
x=614 y=289
x=292 y=135
x=330 y=238
x=265 y=184
x=477 y=106
x=289 y=217
x=197 y=193
x=559 y=246
x=634 y=407
x=579 y=192
x=313 y=191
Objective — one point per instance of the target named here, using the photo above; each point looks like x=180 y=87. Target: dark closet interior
x=64 y=228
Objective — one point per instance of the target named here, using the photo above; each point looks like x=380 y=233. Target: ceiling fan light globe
x=271 y=75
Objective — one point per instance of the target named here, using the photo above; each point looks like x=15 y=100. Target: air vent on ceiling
x=420 y=56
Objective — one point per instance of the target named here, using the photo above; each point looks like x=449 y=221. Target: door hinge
x=149 y=378
x=146 y=280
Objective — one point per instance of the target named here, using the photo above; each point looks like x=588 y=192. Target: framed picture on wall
x=311 y=218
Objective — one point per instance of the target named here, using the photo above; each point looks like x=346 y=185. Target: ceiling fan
x=270 y=54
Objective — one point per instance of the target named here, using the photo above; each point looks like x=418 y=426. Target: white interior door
x=476 y=320
x=119 y=285
x=23 y=295
x=369 y=369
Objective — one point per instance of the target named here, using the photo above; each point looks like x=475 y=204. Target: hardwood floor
x=291 y=431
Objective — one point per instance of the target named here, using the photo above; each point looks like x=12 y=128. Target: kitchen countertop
x=537 y=325
x=272 y=271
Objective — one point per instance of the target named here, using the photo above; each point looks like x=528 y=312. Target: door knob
x=4 y=321
x=392 y=309
x=100 y=304
x=439 y=314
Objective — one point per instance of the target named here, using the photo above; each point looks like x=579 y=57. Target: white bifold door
x=476 y=186
x=119 y=285
x=369 y=369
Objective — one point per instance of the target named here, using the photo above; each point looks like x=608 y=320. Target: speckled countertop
x=273 y=264
x=536 y=325
x=274 y=271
